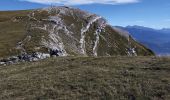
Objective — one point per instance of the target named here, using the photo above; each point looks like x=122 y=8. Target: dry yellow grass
x=87 y=78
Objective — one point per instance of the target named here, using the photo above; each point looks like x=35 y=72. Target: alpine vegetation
x=62 y=31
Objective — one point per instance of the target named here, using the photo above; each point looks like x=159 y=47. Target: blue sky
x=149 y=13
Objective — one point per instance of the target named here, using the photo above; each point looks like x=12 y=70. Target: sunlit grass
x=72 y=78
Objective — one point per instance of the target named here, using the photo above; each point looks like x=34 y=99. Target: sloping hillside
x=63 y=31
x=87 y=78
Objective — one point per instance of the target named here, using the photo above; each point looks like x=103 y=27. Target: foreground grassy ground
x=81 y=78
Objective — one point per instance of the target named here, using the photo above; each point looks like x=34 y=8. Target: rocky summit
x=62 y=31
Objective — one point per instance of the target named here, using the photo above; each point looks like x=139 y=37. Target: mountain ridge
x=64 y=31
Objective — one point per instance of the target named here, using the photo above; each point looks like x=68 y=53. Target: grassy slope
x=12 y=30
x=72 y=78
x=15 y=26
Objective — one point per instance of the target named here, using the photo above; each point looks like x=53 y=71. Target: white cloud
x=81 y=2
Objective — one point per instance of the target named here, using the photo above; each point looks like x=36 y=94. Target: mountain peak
x=65 y=31
x=166 y=30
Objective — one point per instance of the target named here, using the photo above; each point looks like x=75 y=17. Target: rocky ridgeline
x=39 y=56
x=29 y=57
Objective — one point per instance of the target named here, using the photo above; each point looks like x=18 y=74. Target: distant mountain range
x=157 y=40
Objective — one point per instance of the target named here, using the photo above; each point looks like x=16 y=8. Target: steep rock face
x=65 y=31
